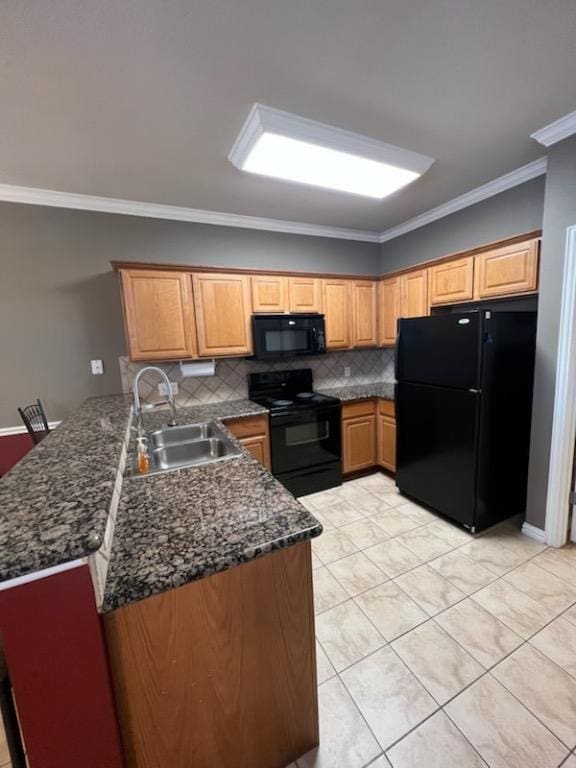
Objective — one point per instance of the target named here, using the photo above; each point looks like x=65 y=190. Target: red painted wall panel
x=12 y=449
x=56 y=657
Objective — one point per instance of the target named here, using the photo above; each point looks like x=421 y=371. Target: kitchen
x=289 y=504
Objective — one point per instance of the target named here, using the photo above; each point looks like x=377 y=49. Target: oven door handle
x=307 y=417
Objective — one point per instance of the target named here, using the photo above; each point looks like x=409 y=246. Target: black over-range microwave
x=278 y=337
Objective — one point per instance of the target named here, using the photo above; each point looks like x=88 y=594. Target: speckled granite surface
x=381 y=389
x=54 y=503
x=180 y=526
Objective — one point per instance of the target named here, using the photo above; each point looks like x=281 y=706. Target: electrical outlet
x=347 y=372
x=163 y=391
x=97 y=367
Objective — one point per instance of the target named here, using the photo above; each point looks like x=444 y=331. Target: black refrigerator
x=463 y=411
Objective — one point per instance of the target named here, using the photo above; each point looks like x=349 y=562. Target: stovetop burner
x=286 y=391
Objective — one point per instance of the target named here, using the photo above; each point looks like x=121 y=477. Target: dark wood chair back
x=35 y=420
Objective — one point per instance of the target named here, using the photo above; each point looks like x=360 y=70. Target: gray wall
x=559 y=213
x=60 y=303
x=510 y=213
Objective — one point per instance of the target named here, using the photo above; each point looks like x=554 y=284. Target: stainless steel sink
x=184 y=434
x=190 y=445
x=186 y=454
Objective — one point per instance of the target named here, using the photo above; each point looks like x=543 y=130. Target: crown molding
x=52 y=198
x=501 y=184
x=556 y=131
x=55 y=199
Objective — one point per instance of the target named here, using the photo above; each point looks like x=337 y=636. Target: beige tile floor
x=436 y=648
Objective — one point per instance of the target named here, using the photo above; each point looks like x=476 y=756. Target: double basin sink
x=190 y=445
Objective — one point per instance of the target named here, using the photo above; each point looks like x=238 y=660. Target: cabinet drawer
x=358 y=408
x=386 y=408
x=249 y=426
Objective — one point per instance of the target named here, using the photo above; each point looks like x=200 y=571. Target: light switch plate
x=97 y=367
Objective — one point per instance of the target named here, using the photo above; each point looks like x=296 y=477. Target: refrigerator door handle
x=397 y=350
x=475 y=391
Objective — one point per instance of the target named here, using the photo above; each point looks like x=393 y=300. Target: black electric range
x=305 y=433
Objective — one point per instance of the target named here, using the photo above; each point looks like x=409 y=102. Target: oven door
x=277 y=337
x=306 y=438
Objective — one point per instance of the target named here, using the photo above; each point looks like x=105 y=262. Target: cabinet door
x=223 y=307
x=452 y=281
x=305 y=294
x=389 y=311
x=387 y=442
x=359 y=438
x=507 y=270
x=364 y=313
x=414 y=294
x=259 y=446
x=337 y=303
x=269 y=294
x=158 y=314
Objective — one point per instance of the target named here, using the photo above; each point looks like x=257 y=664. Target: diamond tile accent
x=230 y=381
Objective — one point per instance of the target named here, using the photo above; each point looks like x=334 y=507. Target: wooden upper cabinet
x=414 y=294
x=452 y=281
x=159 y=314
x=223 y=308
x=337 y=304
x=389 y=311
x=507 y=270
x=269 y=294
x=364 y=313
x=305 y=294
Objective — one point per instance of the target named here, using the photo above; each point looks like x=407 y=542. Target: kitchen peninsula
x=205 y=592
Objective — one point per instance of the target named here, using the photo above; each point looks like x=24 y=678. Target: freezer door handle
x=475 y=391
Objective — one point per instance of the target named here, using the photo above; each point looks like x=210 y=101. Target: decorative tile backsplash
x=231 y=379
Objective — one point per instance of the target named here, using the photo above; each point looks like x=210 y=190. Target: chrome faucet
x=138 y=406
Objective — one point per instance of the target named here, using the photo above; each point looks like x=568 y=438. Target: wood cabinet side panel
x=387 y=442
x=220 y=673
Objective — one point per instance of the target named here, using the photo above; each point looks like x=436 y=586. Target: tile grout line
x=486 y=670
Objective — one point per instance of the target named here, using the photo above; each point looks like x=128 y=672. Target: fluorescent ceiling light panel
x=285 y=146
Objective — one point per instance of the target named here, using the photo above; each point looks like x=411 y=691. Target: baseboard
x=20 y=430
x=534 y=533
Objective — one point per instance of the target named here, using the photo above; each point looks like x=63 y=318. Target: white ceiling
x=143 y=99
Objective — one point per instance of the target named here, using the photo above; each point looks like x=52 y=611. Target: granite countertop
x=177 y=527
x=54 y=503
x=171 y=528
x=382 y=389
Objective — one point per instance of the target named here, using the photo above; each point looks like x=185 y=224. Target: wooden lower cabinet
x=368 y=435
x=358 y=436
x=221 y=672
x=253 y=432
x=386 y=441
